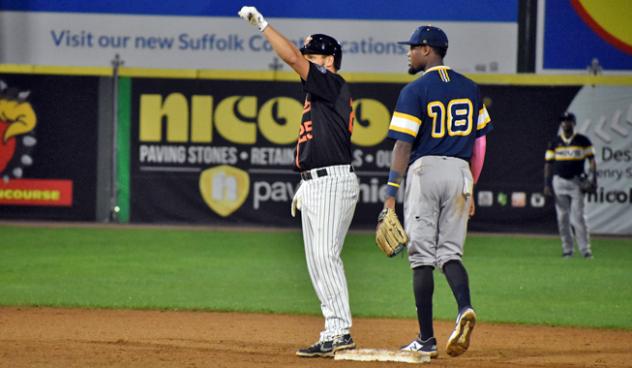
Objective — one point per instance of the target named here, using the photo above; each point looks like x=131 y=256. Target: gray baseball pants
x=436 y=209
x=571 y=220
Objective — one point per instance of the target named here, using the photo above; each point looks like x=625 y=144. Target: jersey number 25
x=458 y=115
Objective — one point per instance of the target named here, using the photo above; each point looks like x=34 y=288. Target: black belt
x=307 y=174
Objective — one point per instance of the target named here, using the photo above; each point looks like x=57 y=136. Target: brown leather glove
x=390 y=235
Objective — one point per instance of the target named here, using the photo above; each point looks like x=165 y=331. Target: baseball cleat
x=426 y=347
x=343 y=342
x=319 y=349
x=459 y=340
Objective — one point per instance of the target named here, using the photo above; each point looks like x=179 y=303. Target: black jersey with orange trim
x=568 y=156
x=325 y=135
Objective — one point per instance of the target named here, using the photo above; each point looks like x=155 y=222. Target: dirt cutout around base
x=47 y=337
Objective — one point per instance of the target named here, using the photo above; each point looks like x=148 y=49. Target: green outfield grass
x=513 y=278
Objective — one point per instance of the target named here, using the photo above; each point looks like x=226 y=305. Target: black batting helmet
x=320 y=44
x=568 y=116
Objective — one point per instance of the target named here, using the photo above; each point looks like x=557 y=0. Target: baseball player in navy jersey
x=439 y=127
x=566 y=155
x=329 y=189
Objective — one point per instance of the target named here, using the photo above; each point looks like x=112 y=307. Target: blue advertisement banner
x=576 y=32
x=449 y=10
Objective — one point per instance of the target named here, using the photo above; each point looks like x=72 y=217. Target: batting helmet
x=427 y=35
x=568 y=116
x=320 y=44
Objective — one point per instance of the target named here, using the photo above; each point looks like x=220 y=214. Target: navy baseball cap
x=567 y=116
x=427 y=35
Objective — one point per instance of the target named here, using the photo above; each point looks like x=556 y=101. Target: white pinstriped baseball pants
x=328 y=205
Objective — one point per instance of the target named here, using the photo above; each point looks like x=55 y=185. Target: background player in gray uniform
x=439 y=125
x=329 y=188
x=565 y=159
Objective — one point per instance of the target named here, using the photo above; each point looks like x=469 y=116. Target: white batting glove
x=252 y=15
x=296 y=206
x=297 y=201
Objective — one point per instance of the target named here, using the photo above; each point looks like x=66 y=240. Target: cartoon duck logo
x=17 y=123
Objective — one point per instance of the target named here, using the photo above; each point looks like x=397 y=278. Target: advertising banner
x=210 y=35
x=584 y=36
x=48 y=147
x=222 y=152
x=604 y=114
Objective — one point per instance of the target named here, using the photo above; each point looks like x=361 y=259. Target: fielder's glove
x=587 y=185
x=390 y=235
x=252 y=15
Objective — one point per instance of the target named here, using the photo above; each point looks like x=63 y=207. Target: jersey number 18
x=458 y=114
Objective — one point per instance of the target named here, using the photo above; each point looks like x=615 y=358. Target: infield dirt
x=48 y=337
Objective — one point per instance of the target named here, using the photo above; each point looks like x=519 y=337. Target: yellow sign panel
x=610 y=19
x=371 y=122
x=224 y=188
x=239 y=119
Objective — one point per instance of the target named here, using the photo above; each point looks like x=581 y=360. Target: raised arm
x=286 y=50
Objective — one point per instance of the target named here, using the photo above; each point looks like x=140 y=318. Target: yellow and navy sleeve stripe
x=483 y=118
x=549 y=155
x=589 y=151
x=405 y=123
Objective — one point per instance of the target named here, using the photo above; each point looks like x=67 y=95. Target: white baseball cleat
x=459 y=340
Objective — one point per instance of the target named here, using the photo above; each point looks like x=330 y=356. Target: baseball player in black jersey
x=329 y=189
x=566 y=157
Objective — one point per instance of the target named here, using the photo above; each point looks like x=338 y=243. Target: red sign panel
x=36 y=192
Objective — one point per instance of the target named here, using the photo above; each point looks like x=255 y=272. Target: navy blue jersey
x=327 y=122
x=441 y=114
x=568 y=156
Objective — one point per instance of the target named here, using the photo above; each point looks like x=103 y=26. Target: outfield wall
x=213 y=147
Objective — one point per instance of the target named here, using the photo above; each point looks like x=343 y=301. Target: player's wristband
x=391 y=190
x=394 y=180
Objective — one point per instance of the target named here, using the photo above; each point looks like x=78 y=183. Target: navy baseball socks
x=457 y=278
x=423 y=287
